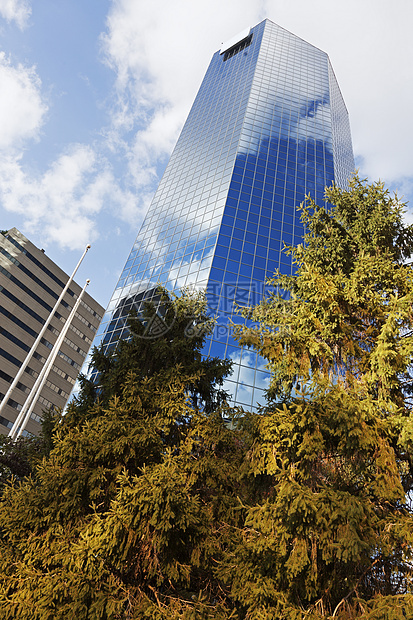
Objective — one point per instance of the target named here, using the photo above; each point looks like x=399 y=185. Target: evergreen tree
x=169 y=331
x=16 y=458
x=130 y=513
x=333 y=537
x=150 y=506
x=19 y=458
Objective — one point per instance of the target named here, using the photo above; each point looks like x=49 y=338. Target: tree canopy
x=169 y=333
x=125 y=518
x=335 y=534
x=150 y=505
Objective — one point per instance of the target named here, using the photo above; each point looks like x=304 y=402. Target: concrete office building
x=30 y=285
x=268 y=126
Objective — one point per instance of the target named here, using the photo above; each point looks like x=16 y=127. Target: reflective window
x=268 y=126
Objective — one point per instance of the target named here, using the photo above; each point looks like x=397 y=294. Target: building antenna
x=39 y=337
x=28 y=406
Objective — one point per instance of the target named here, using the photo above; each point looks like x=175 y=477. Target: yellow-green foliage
x=151 y=505
x=334 y=536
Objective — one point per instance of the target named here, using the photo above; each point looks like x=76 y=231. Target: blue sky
x=93 y=94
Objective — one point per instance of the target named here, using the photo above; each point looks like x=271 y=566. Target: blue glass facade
x=268 y=126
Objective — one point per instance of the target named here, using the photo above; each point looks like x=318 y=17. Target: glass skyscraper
x=268 y=126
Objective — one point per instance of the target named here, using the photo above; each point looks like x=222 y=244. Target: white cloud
x=159 y=53
x=63 y=203
x=22 y=106
x=370 y=47
x=16 y=10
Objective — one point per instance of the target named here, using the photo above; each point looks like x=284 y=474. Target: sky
x=94 y=93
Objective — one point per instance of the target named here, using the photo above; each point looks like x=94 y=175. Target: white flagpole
x=30 y=402
x=40 y=336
